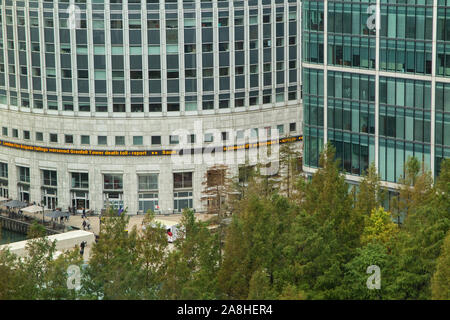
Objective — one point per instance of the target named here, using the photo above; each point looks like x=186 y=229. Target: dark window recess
x=118 y=107
x=292 y=126
x=68 y=138
x=136 y=74
x=155 y=107
x=137 y=108
x=156 y=140
x=154 y=74
x=173 y=107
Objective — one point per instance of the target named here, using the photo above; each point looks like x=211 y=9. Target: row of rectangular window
x=134 y=21
x=155 y=24
x=152 y=107
x=153 y=49
x=136 y=86
x=112 y=188
x=80 y=180
x=392 y=155
x=139 y=140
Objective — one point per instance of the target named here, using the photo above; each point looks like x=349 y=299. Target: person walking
x=82 y=246
x=84 y=224
x=84 y=213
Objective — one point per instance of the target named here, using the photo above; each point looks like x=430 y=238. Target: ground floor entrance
x=49 y=198
x=113 y=199
x=80 y=200
x=148 y=201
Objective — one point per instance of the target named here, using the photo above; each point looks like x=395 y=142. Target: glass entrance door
x=148 y=201
x=80 y=200
x=49 y=202
x=49 y=198
x=113 y=199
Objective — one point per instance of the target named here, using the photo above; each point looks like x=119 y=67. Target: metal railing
x=20 y=223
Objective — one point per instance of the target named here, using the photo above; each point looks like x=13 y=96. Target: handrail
x=27 y=224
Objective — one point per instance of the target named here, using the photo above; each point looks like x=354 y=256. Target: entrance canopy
x=15 y=204
x=33 y=209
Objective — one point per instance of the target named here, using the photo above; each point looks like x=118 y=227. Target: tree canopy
x=316 y=244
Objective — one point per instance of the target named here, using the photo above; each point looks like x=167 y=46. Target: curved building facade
x=97 y=96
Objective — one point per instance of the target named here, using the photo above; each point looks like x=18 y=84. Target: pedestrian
x=84 y=213
x=88 y=224
x=84 y=224
x=61 y=219
x=82 y=245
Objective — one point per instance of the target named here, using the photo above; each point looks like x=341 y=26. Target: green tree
x=354 y=282
x=192 y=266
x=55 y=277
x=290 y=168
x=370 y=194
x=35 y=264
x=442 y=187
x=113 y=267
x=231 y=280
x=10 y=276
x=416 y=189
x=38 y=274
x=260 y=287
x=291 y=292
x=151 y=246
x=255 y=241
x=245 y=174
x=326 y=232
x=440 y=284
x=36 y=230
x=327 y=197
x=420 y=240
x=379 y=227
x=314 y=254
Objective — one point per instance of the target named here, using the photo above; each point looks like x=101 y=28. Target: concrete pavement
x=135 y=220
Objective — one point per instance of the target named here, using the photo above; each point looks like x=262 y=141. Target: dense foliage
x=316 y=243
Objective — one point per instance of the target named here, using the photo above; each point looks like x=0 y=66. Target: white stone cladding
x=130 y=167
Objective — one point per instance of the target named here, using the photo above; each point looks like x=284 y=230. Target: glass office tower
x=377 y=94
x=94 y=92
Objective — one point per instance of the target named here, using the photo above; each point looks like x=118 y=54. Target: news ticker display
x=147 y=153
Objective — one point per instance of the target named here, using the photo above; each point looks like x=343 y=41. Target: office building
x=95 y=95
x=379 y=92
